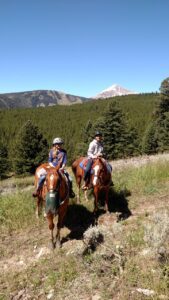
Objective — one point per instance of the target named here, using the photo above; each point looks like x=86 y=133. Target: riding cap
x=98 y=133
x=57 y=141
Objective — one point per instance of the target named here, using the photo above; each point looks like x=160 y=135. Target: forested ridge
x=68 y=121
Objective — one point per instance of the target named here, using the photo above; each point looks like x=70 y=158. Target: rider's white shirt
x=95 y=148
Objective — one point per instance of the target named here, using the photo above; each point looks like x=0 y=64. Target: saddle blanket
x=83 y=164
x=41 y=172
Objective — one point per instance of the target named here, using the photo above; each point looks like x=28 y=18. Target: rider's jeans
x=88 y=168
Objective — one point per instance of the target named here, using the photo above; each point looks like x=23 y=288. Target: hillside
x=69 y=121
x=130 y=254
x=41 y=98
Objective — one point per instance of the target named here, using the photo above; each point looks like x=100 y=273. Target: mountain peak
x=112 y=91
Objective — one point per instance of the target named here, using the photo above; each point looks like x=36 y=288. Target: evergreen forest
x=134 y=112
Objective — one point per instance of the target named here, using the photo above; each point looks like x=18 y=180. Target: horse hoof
x=58 y=244
x=52 y=245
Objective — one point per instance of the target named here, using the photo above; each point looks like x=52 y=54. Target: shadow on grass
x=118 y=202
x=78 y=218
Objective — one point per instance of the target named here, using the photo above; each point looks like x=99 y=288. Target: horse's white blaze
x=51 y=181
x=96 y=169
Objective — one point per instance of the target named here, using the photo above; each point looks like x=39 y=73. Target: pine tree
x=156 y=137
x=4 y=166
x=86 y=133
x=30 y=149
x=162 y=115
x=149 y=142
x=119 y=139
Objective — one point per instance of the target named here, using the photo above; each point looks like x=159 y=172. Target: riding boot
x=86 y=182
x=40 y=184
x=87 y=175
x=71 y=192
x=36 y=192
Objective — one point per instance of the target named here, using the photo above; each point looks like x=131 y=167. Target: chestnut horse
x=79 y=174
x=40 y=171
x=55 y=195
x=100 y=178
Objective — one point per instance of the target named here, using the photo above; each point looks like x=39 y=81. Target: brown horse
x=79 y=174
x=41 y=170
x=54 y=196
x=57 y=199
x=100 y=179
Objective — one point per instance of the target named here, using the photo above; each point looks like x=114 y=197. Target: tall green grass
x=148 y=179
x=17 y=211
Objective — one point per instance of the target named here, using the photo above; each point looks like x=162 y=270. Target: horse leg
x=78 y=194
x=106 y=199
x=61 y=216
x=44 y=212
x=37 y=211
x=51 y=227
x=96 y=194
x=86 y=197
x=58 y=243
x=78 y=185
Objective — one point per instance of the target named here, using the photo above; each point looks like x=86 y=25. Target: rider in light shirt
x=95 y=150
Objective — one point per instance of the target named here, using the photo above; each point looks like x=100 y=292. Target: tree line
x=131 y=125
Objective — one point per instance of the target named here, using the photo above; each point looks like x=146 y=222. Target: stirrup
x=36 y=193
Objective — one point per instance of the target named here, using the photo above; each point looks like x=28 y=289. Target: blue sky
x=83 y=46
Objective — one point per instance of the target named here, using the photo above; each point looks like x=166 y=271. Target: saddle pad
x=109 y=167
x=83 y=163
x=41 y=172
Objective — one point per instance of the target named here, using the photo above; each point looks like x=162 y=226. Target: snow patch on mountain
x=112 y=91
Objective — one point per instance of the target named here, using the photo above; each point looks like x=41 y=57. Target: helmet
x=98 y=133
x=57 y=140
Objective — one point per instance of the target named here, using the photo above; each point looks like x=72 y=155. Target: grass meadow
x=125 y=257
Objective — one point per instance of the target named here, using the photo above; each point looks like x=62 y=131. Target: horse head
x=52 y=180
x=100 y=176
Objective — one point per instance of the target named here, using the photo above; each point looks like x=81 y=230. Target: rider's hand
x=51 y=165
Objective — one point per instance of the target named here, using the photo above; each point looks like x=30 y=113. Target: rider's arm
x=50 y=158
x=100 y=151
x=91 y=150
x=63 y=160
